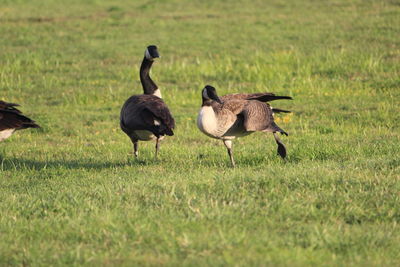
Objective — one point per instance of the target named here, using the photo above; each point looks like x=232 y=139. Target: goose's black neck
x=149 y=87
x=207 y=102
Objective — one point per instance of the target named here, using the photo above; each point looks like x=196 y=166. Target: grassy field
x=72 y=194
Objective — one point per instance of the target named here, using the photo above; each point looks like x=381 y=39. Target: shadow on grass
x=20 y=163
x=201 y=161
x=246 y=161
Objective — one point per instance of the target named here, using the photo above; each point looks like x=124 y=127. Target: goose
x=238 y=115
x=11 y=119
x=146 y=117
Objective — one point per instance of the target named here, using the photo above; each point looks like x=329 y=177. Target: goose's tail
x=27 y=122
x=278 y=110
x=161 y=130
x=165 y=129
x=270 y=97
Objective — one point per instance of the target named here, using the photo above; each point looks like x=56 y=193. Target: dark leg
x=135 y=149
x=228 y=144
x=135 y=146
x=157 y=146
x=281 y=146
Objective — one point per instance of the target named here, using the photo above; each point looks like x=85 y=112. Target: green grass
x=71 y=193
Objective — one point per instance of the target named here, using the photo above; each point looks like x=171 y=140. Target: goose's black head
x=209 y=93
x=151 y=52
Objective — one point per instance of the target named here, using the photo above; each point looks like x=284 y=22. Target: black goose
x=238 y=115
x=146 y=117
x=11 y=119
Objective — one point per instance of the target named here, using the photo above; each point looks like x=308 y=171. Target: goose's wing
x=229 y=114
x=263 y=97
x=257 y=116
x=225 y=118
x=242 y=96
x=10 y=119
x=160 y=111
x=234 y=105
x=146 y=112
x=9 y=106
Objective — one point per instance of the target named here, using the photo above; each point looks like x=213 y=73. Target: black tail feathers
x=278 y=110
x=27 y=122
x=267 y=98
x=160 y=130
x=169 y=132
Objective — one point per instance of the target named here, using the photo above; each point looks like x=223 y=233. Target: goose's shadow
x=246 y=161
x=21 y=163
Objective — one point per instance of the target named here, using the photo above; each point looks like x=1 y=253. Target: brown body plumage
x=11 y=119
x=238 y=115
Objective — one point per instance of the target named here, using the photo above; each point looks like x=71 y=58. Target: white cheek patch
x=147 y=54
x=156 y=122
x=205 y=95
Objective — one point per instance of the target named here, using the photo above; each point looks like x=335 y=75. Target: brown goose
x=11 y=119
x=238 y=115
x=146 y=117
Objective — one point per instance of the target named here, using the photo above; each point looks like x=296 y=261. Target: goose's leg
x=281 y=146
x=228 y=144
x=157 y=146
x=135 y=148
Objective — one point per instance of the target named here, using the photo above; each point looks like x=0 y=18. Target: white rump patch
x=6 y=133
x=156 y=122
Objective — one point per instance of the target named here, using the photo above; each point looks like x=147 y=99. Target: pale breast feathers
x=214 y=121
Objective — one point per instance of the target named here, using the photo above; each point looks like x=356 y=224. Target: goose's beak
x=216 y=98
x=213 y=95
x=156 y=55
